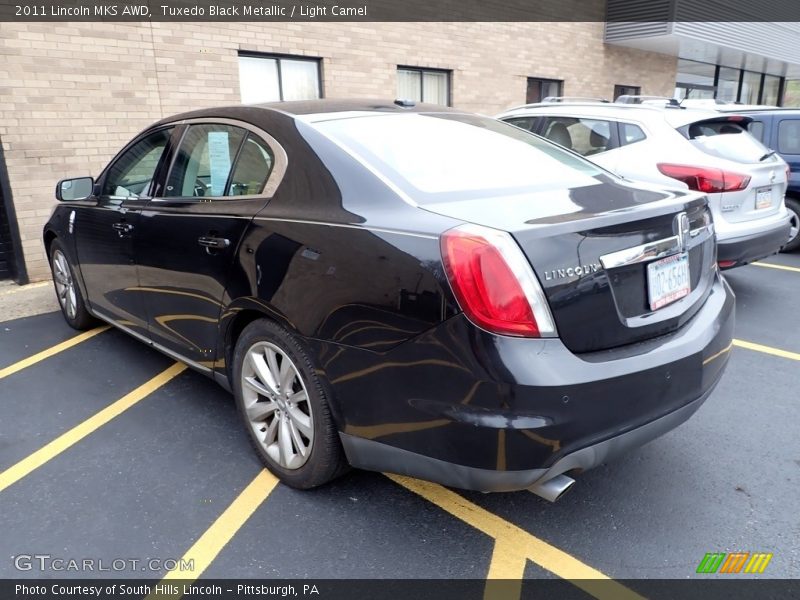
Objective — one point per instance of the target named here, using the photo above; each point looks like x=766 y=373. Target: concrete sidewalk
x=18 y=301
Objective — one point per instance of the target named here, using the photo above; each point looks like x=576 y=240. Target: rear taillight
x=494 y=283
x=705 y=179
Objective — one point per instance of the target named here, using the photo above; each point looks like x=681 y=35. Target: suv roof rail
x=636 y=99
x=573 y=99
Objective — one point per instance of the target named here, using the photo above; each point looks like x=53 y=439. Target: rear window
x=443 y=157
x=728 y=140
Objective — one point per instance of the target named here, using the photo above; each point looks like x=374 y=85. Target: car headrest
x=559 y=134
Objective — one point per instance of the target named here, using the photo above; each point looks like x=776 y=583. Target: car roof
x=674 y=116
x=310 y=109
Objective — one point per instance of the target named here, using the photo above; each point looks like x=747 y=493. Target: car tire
x=793 y=205
x=285 y=406
x=68 y=292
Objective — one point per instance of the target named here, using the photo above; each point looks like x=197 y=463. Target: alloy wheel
x=65 y=284
x=277 y=405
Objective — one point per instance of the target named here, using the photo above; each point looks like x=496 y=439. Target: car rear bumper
x=375 y=456
x=510 y=412
x=745 y=249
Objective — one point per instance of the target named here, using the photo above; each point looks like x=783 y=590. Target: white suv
x=701 y=149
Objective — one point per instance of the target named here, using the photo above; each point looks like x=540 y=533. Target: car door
x=220 y=177
x=106 y=228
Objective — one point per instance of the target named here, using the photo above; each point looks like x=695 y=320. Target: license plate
x=763 y=198
x=668 y=280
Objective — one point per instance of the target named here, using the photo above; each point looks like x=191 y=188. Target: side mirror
x=79 y=188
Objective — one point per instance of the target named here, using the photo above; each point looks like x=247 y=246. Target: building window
x=626 y=90
x=539 y=89
x=266 y=78
x=423 y=85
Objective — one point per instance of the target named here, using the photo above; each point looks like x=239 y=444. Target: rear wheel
x=69 y=294
x=794 y=233
x=285 y=407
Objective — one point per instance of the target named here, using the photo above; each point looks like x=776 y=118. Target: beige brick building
x=71 y=94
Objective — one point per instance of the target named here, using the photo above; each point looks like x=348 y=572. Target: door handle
x=213 y=243
x=123 y=228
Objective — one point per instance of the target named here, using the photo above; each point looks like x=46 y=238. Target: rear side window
x=728 y=140
x=204 y=160
x=789 y=136
x=584 y=136
x=630 y=134
x=253 y=166
x=756 y=129
x=522 y=122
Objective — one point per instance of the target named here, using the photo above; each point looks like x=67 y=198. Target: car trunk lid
x=590 y=247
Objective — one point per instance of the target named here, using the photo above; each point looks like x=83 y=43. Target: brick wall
x=72 y=94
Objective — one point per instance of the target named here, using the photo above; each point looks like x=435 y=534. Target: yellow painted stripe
x=774 y=266
x=767 y=349
x=506 y=571
x=216 y=537
x=53 y=350
x=80 y=431
x=525 y=544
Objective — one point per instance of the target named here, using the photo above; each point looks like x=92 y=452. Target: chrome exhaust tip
x=552 y=489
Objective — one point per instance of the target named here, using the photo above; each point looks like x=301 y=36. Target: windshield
x=442 y=157
x=728 y=140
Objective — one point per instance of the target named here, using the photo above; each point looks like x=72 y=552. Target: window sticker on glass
x=219 y=158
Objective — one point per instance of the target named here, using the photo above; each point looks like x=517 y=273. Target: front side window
x=204 y=160
x=584 y=136
x=132 y=173
x=264 y=78
x=424 y=85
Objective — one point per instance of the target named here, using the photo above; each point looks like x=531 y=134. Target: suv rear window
x=726 y=139
x=444 y=157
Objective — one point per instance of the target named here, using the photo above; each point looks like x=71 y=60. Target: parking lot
x=111 y=451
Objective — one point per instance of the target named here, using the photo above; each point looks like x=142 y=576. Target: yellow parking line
x=22 y=288
x=40 y=356
x=767 y=349
x=216 y=537
x=774 y=266
x=516 y=542
x=80 y=431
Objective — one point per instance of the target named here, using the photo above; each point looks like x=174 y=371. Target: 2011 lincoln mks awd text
x=402 y=288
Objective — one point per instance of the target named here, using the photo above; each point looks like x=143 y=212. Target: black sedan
x=402 y=288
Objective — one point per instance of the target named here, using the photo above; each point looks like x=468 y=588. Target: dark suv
x=779 y=129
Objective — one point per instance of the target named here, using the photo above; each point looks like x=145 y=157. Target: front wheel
x=794 y=232
x=69 y=294
x=285 y=406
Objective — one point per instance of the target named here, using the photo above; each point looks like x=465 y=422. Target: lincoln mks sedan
x=402 y=288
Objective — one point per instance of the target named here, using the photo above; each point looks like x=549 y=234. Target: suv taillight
x=705 y=179
x=494 y=283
